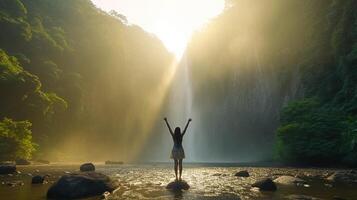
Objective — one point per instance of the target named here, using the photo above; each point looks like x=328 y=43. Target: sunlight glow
x=172 y=21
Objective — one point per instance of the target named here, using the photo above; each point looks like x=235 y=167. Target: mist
x=240 y=76
x=114 y=82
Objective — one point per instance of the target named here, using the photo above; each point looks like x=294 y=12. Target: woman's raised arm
x=188 y=122
x=168 y=125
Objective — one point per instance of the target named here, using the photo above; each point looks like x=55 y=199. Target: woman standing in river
x=177 y=153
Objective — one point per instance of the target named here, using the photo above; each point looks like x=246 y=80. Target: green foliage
x=13 y=8
x=311 y=134
x=16 y=140
x=76 y=68
x=324 y=131
x=23 y=97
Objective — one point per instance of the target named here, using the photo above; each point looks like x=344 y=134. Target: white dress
x=177 y=151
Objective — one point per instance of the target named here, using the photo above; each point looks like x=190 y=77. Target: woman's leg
x=180 y=167
x=176 y=164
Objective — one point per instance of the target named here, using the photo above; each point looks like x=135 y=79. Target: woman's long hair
x=177 y=132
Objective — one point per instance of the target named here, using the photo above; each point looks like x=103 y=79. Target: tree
x=16 y=140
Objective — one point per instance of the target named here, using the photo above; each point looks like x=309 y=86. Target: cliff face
x=255 y=58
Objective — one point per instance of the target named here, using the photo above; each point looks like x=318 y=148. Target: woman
x=177 y=152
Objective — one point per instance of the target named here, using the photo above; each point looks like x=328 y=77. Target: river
x=213 y=181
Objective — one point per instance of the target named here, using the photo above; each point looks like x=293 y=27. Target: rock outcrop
x=81 y=185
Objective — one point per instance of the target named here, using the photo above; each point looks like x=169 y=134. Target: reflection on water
x=207 y=182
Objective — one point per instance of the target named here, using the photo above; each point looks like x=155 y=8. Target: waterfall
x=180 y=106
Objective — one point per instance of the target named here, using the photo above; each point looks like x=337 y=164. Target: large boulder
x=178 y=186
x=22 y=162
x=81 y=185
x=87 y=167
x=7 y=168
x=243 y=173
x=343 y=176
x=265 y=185
x=289 y=180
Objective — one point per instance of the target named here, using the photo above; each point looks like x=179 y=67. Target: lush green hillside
x=259 y=58
x=322 y=127
x=74 y=72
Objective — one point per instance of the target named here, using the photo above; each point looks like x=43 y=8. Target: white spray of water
x=180 y=109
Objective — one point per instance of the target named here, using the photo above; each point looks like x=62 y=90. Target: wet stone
x=7 y=169
x=265 y=185
x=290 y=180
x=243 y=173
x=38 y=179
x=178 y=185
x=343 y=176
x=87 y=167
x=81 y=185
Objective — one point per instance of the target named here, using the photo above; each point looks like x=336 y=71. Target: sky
x=172 y=21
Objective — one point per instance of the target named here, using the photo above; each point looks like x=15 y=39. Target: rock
x=38 y=179
x=87 y=167
x=81 y=185
x=243 y=173
x=105 y=195
x=265 y=185
x=108 y=162
x=343 y=176
x=178 y=185
x=22 y=162
x=289 y=180
x=7 y=169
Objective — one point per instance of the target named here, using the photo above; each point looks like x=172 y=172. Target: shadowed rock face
x=81 y=185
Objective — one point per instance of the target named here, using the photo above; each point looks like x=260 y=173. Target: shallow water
x=207 y=182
